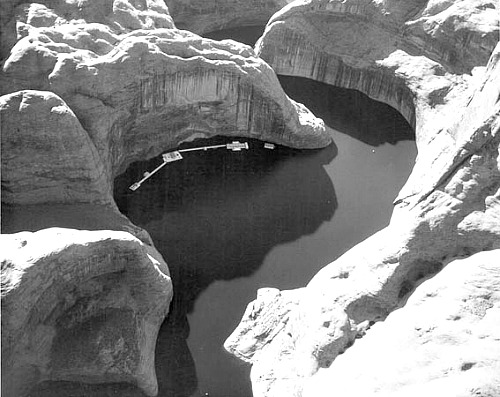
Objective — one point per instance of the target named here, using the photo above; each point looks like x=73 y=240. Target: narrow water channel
x=228 y=223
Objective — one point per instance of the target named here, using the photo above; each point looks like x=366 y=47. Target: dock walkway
x=176 y=155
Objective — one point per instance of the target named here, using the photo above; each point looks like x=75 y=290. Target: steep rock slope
x=201 y=16
x=427 y=59
x=416 y=56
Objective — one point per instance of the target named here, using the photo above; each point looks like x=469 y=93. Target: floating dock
x=170 y=157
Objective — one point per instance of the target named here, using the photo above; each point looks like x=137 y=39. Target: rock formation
x=46 y=154
x=435 y=62
x=173 y=86
x=444 y=341
x=201 y=16
x=88 y=87
x=80 y=306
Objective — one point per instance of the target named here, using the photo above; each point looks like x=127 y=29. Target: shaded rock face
x=201 y=17
x=80 y=305
x=413 y=56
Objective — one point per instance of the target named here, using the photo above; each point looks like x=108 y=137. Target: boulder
x=414 y=57
x=80 y=306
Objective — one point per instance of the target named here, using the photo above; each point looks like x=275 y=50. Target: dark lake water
x=228 y=223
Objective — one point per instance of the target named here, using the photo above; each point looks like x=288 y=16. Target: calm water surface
x=228 y=223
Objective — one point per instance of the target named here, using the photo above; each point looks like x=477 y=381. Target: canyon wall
x=201 y=16
x=140 y=92
x=87 y=88
x=437 y=62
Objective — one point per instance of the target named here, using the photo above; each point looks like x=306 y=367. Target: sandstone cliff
x=88 y=87
x=172 y=85
x=437 y=64
x=201 y=16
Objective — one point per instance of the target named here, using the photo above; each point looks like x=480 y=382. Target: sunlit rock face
x=19 y=17
x=80 y=306
x=443 y=341
x=436 y=62
x=416 y=56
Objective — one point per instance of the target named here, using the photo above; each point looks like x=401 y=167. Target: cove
x=228 y=223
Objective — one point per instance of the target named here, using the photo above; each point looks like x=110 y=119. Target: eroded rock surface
x=139 y=93
x=80 y=306
x=88 y=87
x=18 y=17
x=46 y=154
x=444 y=341
x=200 y=16
x=415 y=57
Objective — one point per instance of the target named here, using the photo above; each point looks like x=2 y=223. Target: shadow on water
x=349 y=111
x=215 y=216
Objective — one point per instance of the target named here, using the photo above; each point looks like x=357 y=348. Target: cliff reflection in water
x=215 y=216
x=349 y=111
